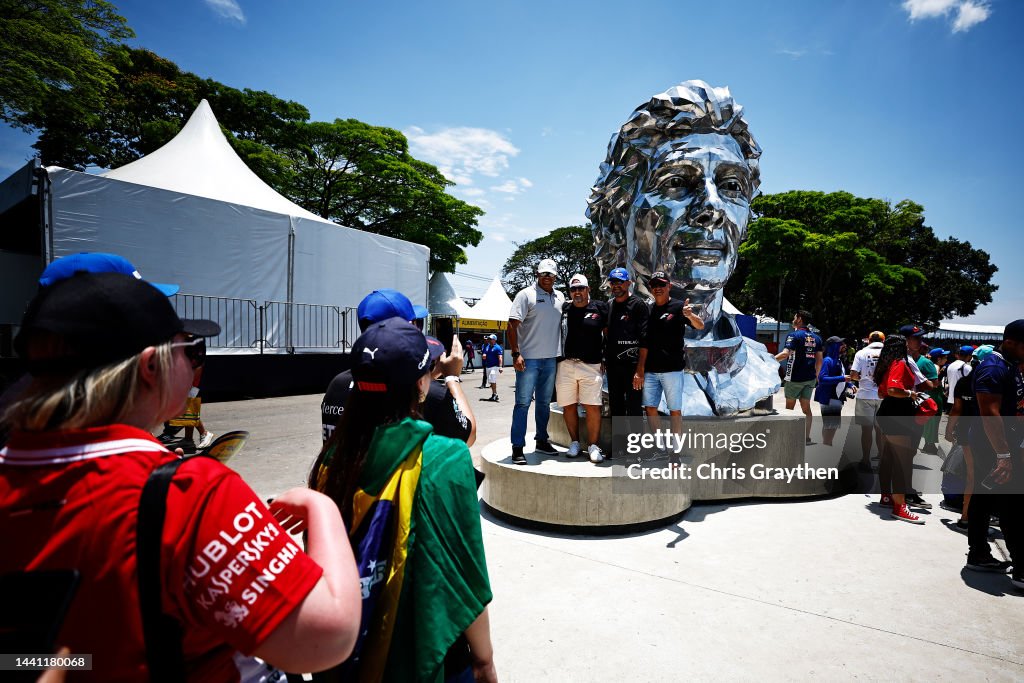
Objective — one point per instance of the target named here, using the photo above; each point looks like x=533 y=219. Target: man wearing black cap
x=659 y=370
x=446 y=407
x=627 y=322
x=996 y=445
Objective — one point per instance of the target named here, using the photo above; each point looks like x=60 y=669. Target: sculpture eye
x=675 y=182
x=732 y=187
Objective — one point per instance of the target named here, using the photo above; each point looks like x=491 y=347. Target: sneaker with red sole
x=904 y=514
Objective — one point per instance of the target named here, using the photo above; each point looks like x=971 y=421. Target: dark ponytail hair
x=894 y=348
x=344 y=454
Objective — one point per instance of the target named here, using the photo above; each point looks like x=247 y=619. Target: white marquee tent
x=442 y=298
x=192 y=213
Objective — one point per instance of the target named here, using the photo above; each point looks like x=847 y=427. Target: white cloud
x=471 y=192
x=512 y=186
x=462 y=153
x=795 y=54
x=968 y=12
x=228 y=9
x=497 y=237
x=928 y=9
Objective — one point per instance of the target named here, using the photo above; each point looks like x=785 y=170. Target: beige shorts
x=864 y=410
x=578 y=382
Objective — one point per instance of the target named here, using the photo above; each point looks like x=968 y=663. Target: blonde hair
x=88 y=398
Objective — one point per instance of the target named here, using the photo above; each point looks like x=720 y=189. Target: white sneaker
x=206 y=440
x=596 y=454
x=574 y=450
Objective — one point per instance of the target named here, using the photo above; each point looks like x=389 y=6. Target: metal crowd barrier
x=278 y=325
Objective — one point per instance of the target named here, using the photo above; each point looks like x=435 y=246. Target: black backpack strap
x=163 y=635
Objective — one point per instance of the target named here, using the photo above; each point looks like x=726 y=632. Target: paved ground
x=822 y=589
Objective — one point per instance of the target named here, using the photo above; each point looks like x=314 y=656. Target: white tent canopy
x=200 y=162
x=494 y=304
x=442 y=299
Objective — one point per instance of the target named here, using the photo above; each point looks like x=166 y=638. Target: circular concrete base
x=573 y=492
x=564 y=493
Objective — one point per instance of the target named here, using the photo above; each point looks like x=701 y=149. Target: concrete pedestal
x=631 y=491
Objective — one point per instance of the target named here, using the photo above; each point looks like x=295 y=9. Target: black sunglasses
x=579 y=288
x=194 y=349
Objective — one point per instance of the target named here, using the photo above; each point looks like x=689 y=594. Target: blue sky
x=516 y=101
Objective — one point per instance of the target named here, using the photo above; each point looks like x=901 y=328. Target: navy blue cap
x=619 y=274
x=435 y=347
x=912 y=331
x=966 y=348
x=1015 y=330
x=95 y=262
x=389 y=354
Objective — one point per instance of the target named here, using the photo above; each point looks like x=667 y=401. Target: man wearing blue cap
x=446 y=407
x=627 y=323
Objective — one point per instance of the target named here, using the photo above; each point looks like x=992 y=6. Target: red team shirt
x=230 y=573
x=900 y=376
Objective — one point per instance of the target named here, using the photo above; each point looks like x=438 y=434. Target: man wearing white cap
x=533 y=339
x=579 y=369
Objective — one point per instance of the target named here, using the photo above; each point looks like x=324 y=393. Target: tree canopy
x=55 y=53
x=857 y=264
x=363 y=176
x=571 y=247
x=349 y=172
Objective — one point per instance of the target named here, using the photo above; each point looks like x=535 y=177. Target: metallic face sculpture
x=675 y=189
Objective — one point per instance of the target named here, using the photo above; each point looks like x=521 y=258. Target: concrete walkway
x=825 y=589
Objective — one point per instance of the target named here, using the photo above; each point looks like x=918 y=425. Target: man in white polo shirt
x=868 y=400
x=534 y=339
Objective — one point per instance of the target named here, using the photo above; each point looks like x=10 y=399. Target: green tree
x=571 y=247
x=350 y=172
x=149 y=103
x=54 y=52
x=363 y=176
x=857 y=264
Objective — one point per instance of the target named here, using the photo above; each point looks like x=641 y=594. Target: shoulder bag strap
x=163 y=635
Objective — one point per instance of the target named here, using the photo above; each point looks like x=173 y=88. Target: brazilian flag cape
x=428 y=555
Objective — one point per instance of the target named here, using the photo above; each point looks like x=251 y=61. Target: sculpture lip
x=700 y=246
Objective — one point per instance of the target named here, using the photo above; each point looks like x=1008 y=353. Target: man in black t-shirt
x=627 y=322
x=660 y=368
x=995 y=440
x=580 y=377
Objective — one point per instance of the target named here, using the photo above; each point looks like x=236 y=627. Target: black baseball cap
x=391 y=353
x=659 y=277
x=99 y=318
x=912 y=331
x=1015 y=330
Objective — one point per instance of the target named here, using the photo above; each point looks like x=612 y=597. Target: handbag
x=926 y=408
x=954 y=464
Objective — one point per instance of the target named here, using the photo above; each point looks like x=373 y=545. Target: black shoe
x=961 y=524
x=1017 y=579
x=187 y=446
x=915 y=500
x=989 y=564
x=495 y=398
x=946 y=505
x=517 y=456
x=545 y=447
